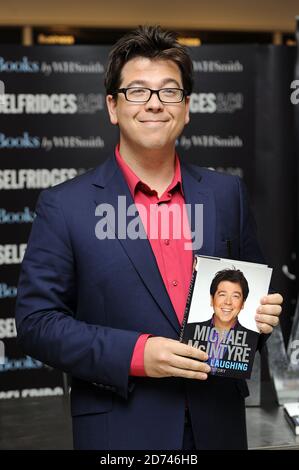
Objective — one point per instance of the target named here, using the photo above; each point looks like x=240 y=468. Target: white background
x=258 y=277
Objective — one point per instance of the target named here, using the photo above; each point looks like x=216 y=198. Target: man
x=107 y=309
x=229 y=291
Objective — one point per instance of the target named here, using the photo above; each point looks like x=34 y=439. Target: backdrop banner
x=54 y=126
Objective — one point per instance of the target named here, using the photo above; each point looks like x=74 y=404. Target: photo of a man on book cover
x=220 y=314
x=228 y=293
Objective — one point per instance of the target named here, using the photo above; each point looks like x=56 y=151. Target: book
x=291 y=413
x=219 y=318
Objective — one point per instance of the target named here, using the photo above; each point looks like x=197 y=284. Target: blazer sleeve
x=45 y=309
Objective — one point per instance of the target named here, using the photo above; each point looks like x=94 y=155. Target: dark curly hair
x=231 y=275
x=151 y=42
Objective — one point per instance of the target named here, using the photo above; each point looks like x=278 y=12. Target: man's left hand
x=267 y=314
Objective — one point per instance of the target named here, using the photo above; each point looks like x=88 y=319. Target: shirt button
x=166 y=241
x=174 y=283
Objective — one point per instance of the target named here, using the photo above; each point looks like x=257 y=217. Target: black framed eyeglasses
x=143 y=95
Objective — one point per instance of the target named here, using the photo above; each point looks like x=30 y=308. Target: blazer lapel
x=110 y=184
x=197 y=192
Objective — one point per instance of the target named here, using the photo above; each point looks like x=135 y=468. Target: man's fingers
x=190 y=364
x=268 y=312
x=271 y=320
x=164 y=356
x=264 y=328
x=189 y=351
x=273 y=299
x=269 y=309
x=187 y=374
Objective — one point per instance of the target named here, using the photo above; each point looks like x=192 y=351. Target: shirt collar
x=232 y=328
x=133 y=180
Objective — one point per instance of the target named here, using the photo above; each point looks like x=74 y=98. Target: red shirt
x=174 y=262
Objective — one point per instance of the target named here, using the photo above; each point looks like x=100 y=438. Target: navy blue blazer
x=83 y=302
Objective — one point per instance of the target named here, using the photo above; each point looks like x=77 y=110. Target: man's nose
x=228 y=300
x=154 y=102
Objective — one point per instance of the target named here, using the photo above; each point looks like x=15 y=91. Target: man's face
x=152 y=125
x=227 y=302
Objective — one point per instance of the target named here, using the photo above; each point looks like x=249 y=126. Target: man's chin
x=155 y=145
x=226 y=323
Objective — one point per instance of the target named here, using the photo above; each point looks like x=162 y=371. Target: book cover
x=220 y=313
x=291 y=412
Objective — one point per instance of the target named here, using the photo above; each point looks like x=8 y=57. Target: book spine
x=187 y=308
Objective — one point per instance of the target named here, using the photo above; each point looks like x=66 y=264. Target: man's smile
x=153 y=123
x=153 y=120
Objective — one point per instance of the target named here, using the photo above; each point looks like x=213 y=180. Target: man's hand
x=164 y=357
x=268 y=313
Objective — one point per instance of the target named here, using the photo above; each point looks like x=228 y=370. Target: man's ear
x=111 y=103
x=211 y=301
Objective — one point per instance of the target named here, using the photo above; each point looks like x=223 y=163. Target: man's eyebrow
x=225 y=291
x=144 y=83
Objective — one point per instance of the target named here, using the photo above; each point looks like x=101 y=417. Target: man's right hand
x=164 y=357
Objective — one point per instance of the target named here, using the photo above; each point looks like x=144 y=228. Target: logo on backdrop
x=2 y=91
x=7 y=292
x=31 y=392
x=26 y=141
x=27 y=178
x=209 y=141
x=70 y=141
x=64 y=103
x=7 y=328
x=295 y=94
x=2 y=352
x=12 y=254
x=24 y=216
x=25 y=65
x=23 y=363
x=217 y=66
x=71 y=67
x=216 y=102
x=231 y=170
